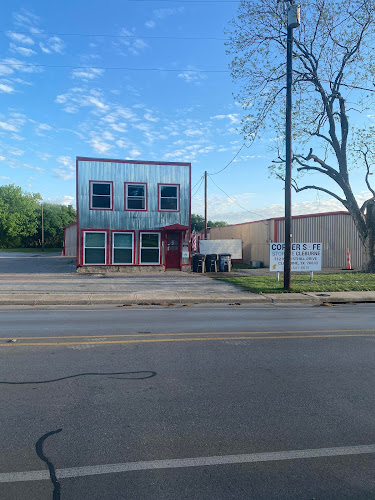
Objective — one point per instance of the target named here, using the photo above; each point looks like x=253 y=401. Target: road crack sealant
x=51 y=467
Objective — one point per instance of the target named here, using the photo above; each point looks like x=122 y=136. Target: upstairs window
x=101 y=195
x=169 y=197
x=135 y=196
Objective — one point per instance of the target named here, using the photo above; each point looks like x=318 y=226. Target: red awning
x=175 y=227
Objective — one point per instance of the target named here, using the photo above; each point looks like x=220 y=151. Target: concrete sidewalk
x=148 y=289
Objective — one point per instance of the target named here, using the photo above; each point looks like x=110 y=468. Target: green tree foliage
x=333 y=74
x=197 y=222
x=21 y=219
x=18 y=215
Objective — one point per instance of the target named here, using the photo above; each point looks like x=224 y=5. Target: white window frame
x=131 y=184
x=177 y=198
x=105 y=248
x=127 y=248
x=148 y=248
x=101 y=195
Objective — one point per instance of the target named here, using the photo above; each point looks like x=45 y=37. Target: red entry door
x=173 y=254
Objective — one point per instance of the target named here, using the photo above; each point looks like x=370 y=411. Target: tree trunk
x=369 y=243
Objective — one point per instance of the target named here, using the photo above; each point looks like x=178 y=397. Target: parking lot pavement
x=35 y=264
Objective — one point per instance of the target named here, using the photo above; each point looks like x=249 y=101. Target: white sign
x=305 y=256
x=233 y=246
x=185 y=254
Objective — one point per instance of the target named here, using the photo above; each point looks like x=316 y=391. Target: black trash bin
x=225 y=263
x=198 y=263
x=211 y=263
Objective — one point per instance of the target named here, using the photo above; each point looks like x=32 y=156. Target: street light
x=293 y=19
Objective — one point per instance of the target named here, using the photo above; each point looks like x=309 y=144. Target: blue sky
x=60 y=98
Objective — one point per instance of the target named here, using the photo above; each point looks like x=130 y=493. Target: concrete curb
x=149 y=298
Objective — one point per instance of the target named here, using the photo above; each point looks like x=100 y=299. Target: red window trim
x=83 y=231
x=140 y=248
x=126 y=197
x=178 y=196
x=90 y=195
x=112 y=247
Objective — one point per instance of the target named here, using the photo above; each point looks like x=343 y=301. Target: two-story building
x=132 y=214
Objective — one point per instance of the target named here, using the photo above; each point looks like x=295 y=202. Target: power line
x=198 y=188
x=106 y=35
x=227 y=165
x=234 y=201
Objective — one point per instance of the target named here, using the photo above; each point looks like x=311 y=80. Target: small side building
x=335 y=230
x=132 y=215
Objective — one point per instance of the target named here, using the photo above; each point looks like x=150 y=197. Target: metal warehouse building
x=335 y=230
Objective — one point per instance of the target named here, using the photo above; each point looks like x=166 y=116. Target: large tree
x=18 y=215
x=333 y=86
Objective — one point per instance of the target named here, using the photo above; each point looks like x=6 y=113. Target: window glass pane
x=150 y=240
x=134 y=190
x=94 y=256
x=150 y=256
x=95 y=240
x=136 y=203
x=168 y=204
x=101 y=202
x=124 y=240
x=168 y=191
x=101 y=188
x=122 y=256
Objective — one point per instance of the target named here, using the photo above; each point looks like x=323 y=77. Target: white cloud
x=86 y=74
x=16 y=152
x=66 y=169
x=134 y=153
x=44 y=156
x=4 y=177
x=77 y=98
x=2 y=158
x=150 y=24
x=99 y=145
x=233 y=118
x=25 y=18
x=44 y=126
x=64 y=200
x=192 y=77
x=166 y=12
x=193 y=132
x=7 y=89
x=52 y=45
x=20 y=38
x=24 y=51
x=130 y=42
x=148 y=116
x=8 y=126
x=118 y=127
x=9 y=65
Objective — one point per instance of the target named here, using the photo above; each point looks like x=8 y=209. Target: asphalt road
x=187 y=403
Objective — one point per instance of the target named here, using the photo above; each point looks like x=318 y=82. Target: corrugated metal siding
x=71 y=240
x=255 y=237
x=337 y=232
x=120 y=173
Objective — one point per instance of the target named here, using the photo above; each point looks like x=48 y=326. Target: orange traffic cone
x=348 y=262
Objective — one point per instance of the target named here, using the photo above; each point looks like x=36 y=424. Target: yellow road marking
x=188 y=333
x=135 y=341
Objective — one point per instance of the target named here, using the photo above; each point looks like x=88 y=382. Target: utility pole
x=42 y=230
x=205 y=205
x=293 y=20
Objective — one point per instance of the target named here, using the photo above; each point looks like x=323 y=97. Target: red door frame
x=179 y=239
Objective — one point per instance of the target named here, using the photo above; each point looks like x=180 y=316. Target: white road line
x=12 y=477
